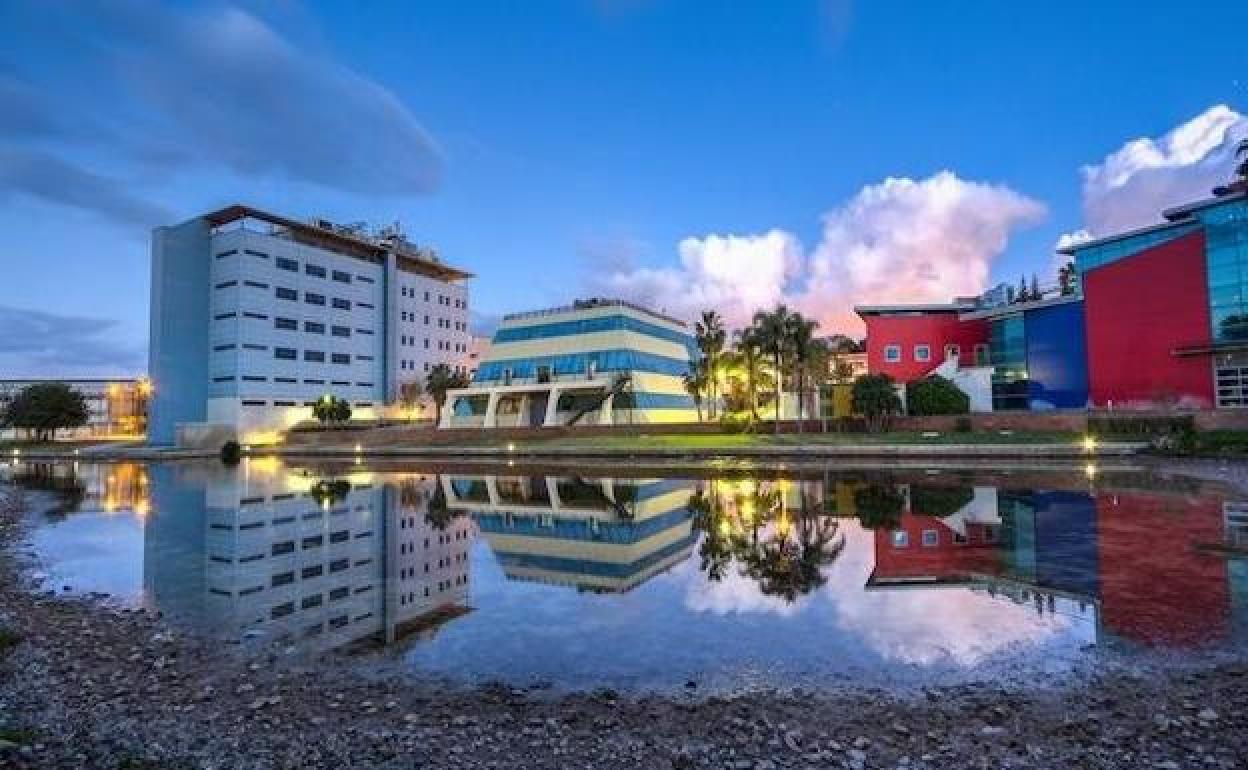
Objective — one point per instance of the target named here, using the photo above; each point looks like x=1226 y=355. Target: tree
x=695 y=381
x=749 y=352
x=44 y=408
x=875 y=398
x=936 y=395
x=879 y=506
x=711 y=336
x=331 y=409
x=1067 y=279
x=412 y=395
x=801 y=333
x=441 y=379
x=772 y=329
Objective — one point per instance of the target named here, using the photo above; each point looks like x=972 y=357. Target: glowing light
x=1089 y=470
x=511 y=447
x=141 y=508
x=17 y=452
x=1089 y=443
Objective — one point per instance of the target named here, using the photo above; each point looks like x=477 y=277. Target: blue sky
x=682 y=153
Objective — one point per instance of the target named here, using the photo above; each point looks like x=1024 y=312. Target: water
x=651 y=578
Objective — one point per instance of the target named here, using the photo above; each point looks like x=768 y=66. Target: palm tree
x=695 y=383
x=441 y=379
x=711 y=336
x=772 y=329
x=750 y=354
x=801 y=332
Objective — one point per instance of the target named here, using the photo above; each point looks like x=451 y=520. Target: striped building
x=597 y=362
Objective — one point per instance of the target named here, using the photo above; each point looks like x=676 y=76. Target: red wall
x=934 y=329
x=1138 y=310
x=946 y=561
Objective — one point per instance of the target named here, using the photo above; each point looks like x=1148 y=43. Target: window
x=286 y=578
x=316 y=541
x=282 y=610
x=285 y=323
x=363 y=279
x=340 y=358
x=900 y=539
x=365 y=305
x=313 y=299
x=284 y=263
x=342 y=331
x=314 y=355
x=223 y=254
x=252 y=346
x=342 y=277
x=931 y=538
x=286 y=354
x=256 y=284
x=227 y=284
x=315 y=270
x=922 y=353
x=286 y=293
x=953 y=351
x=892 y=353
x=315 y=570
x=223 y=316
x=284 y=548
x=257 y=316
x=223 y=347
x=255 y=253
x=338 y=565
x=981 y=355
x=341 y=304
x=314 y=327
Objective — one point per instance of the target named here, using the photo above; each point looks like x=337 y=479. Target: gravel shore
x=85 y=685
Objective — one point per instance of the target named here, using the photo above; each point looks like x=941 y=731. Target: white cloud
x=1133 y=184
x=901 y=240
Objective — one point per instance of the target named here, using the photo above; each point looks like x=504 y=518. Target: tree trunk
x=801 y=400
x=777 y=389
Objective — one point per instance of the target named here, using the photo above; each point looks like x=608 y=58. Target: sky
x=684 y=154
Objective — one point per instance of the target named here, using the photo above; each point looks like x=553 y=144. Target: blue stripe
x=620 y=532
x=591 y=325
x=620 y=360
x=589 y=567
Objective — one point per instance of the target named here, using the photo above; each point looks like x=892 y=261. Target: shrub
x=1141 y=426
x=875 y=398
x=879 y=506
x=936 y=395
x=737 y=424
x=332 y=409
x=231 y=453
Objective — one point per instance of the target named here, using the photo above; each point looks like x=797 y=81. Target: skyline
x=886 y=160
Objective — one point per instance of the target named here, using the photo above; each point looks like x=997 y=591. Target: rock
x=1207 y=715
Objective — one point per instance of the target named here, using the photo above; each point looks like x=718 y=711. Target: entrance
x=537 y=408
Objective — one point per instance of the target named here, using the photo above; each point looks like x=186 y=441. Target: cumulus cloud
x=35 y=343
x=902 y=240
x=1132 y=185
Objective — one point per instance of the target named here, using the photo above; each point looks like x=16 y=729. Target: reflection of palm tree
x=784 y=556
x=438 y=514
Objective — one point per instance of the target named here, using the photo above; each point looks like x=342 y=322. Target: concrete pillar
x=448 y=410
x=552 y=408
x=491 y=489
x=491 y=410
x=552 y=493
x=606 y=413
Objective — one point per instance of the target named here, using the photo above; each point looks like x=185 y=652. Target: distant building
x=255 y=316
x=477 y=350
x=598 y=361
x=115 y=407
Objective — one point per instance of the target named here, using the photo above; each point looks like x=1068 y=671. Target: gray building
x=255 y=316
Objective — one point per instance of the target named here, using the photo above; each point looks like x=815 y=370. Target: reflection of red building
x=1157 y=587
x=924 y=549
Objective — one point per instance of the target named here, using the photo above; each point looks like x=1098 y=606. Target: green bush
x=1141 y=426
x=737 y=424
x=936 y=395
x=875 y=398
x=879 y=506
x=938 y=501
x=231 y=453
x=332 y=409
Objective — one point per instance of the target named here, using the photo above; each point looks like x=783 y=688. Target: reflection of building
x=597 y=535
x=605 y=362
x=328 y=562
x=1140 y=559
x=256 y=316
x=114 y=407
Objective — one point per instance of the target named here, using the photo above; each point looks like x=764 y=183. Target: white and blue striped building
x=596 y=362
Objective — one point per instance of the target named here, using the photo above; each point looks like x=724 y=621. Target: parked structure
x=255 y=316
x=598 y=361
x=115 y=407
x=1160 y=318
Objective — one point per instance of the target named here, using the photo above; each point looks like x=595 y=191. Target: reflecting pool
x=654 y=578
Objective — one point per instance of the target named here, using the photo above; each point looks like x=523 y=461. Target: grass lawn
x=746 y=440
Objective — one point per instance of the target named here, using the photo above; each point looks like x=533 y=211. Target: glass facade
x=590 y=325
x=1008 y=345
x=579 y=364
x=1226 y=258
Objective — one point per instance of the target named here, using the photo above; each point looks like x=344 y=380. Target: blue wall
x=1057 y=357
x=178 y=356
x=1067 y=558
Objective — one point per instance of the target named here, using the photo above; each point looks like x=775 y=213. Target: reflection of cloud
x=925 y=626
x=735 y=594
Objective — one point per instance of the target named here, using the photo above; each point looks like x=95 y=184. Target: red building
x=907 y=342
x=923 y=549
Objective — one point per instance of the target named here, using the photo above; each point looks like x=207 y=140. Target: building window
x=313 y=299
x=314 y=355
x=901 y=539
x=287 y=264
x=287 y=354
x=953 y=351
x=286 y=293
x=892 y=353
x=341 y=331
x=314 y=327
x=341 y=358
x=315 y=270
x=342 y=304
x=286 y=323
x=931 y=538
x=922 y=353
x=342 y=277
